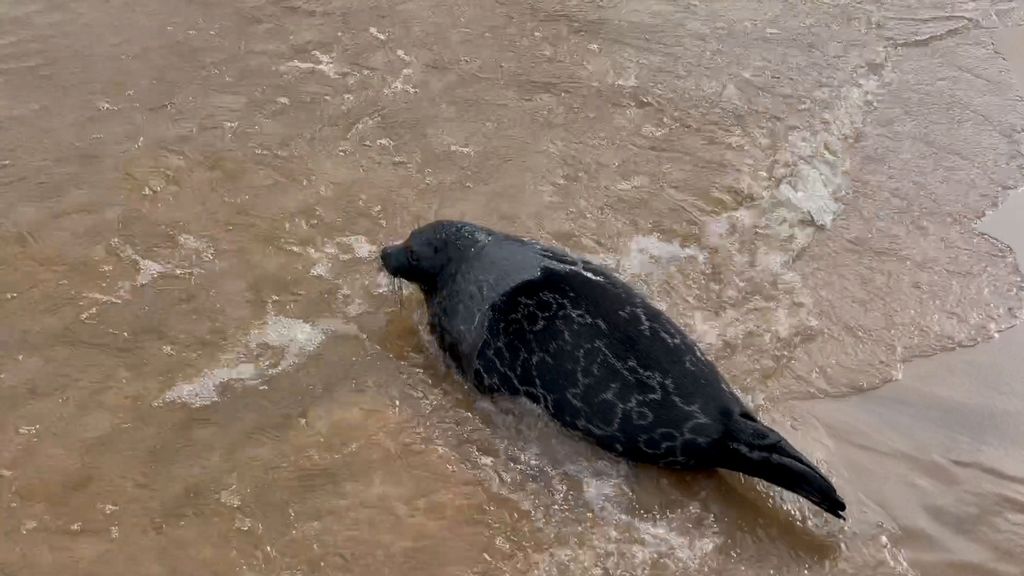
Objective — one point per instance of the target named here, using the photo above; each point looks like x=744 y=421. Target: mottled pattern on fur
x=607 y=364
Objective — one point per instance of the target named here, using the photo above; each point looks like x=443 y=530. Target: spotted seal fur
x=521 y=318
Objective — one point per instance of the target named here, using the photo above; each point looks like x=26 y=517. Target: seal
x=520 y=318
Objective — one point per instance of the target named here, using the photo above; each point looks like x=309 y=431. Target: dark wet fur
x=519 y=318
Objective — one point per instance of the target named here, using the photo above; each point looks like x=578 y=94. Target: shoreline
x=935 y=452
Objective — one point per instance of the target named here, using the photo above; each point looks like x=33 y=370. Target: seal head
x=461 y=269
x=432 y=250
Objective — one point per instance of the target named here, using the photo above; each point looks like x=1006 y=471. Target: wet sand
x=941 y=450
x=1011 y=45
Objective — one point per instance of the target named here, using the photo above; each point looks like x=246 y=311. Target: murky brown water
x=202 y=369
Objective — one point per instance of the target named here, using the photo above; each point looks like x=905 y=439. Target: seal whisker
x=395 y=288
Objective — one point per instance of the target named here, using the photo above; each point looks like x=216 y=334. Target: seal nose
x=390 y=258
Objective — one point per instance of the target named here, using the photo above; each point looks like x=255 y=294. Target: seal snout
x=393 y=259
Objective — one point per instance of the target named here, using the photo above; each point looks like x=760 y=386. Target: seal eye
x=413 y=257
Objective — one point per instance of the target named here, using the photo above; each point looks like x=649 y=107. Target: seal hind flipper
x=754 y=449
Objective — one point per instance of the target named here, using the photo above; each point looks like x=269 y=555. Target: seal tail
x=756 y=450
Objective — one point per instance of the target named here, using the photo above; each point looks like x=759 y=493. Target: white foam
x=813 y=188
x=648 y=254
x=103 y=298
x=538 y=466
x=274 y=346
x=198 y=247
x=326 y=65
x=205 y=389
x=816 y=177
x=148 y=269
x=358 y=246
x=344 y=248
x=295 y=337
x=322 y=269
x=400 y=85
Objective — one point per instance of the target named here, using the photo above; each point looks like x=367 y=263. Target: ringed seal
x=520 y=318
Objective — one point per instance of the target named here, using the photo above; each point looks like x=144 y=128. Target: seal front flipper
x=754 y=449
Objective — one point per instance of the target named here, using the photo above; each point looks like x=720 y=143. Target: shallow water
x=202 y=368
